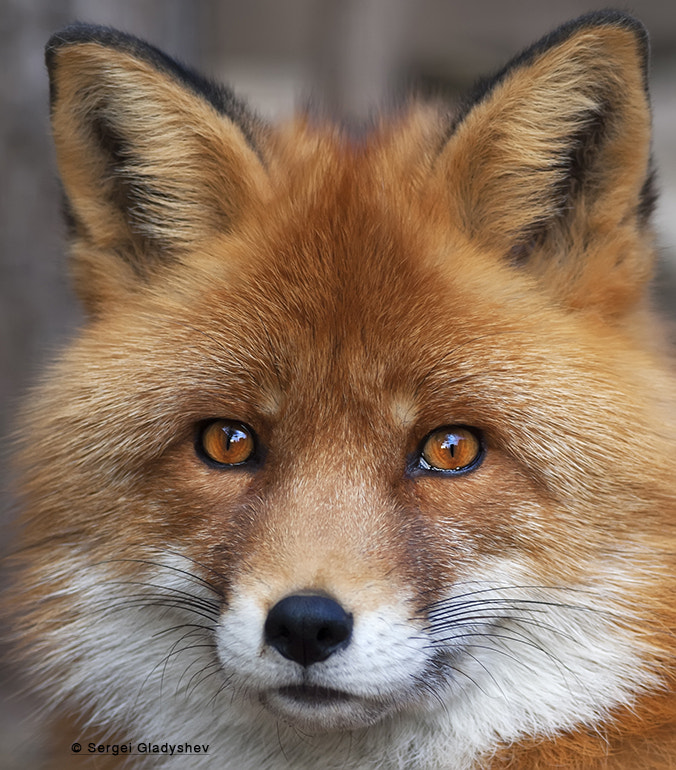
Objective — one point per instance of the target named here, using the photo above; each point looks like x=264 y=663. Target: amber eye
x=452 y=448
x=227 y=442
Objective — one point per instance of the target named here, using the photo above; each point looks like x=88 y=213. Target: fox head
x=364 y=437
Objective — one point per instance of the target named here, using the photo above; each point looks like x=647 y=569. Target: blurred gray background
x=348 y=55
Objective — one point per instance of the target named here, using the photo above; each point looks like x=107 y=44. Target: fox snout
x=308 y=628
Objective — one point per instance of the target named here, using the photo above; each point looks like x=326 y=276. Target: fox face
x=365 y=455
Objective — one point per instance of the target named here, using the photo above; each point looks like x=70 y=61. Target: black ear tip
x=613 y=17
x=74 y=33
x=588 y=21
x=595 y=19
x=606 y=18
x=79 y=32
x=616 y=18
x=220 y=97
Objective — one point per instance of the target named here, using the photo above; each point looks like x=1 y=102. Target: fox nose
x=308 y=628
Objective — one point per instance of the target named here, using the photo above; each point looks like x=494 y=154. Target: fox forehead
x=346 y=269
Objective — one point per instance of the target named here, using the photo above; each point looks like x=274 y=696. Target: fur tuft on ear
x=153 y=157
x=548 y=163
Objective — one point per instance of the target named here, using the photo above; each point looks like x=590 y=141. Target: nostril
x=308 y=628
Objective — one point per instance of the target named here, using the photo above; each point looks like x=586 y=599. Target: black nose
x=307 y=629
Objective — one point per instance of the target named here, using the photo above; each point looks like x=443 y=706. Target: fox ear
x=152 y=156
x=549 y=164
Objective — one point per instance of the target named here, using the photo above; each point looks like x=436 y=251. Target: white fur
x=517 y=669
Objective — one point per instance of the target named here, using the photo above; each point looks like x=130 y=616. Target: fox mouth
x=314 y=695
x=322 y=709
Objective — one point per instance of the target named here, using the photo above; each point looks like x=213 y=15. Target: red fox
x=365 y=456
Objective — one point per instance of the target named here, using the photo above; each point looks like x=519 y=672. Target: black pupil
x=450 y=442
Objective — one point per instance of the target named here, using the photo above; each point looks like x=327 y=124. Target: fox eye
x=451 y=449
x=227 y=442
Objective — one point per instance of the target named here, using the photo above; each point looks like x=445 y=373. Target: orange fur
x=345 y=300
